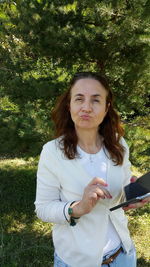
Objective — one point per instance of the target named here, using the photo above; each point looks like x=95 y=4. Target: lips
x=85 y=117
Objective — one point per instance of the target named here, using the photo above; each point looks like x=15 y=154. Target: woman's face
x=88 y=103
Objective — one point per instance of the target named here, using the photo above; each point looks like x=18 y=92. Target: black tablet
x=135 y=192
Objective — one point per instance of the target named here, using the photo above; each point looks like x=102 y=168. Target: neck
x=90 y=141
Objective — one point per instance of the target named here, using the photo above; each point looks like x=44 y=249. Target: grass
x=24 y=239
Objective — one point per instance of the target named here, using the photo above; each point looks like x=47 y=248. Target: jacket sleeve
x=126 y=168
x=48 y=204
x=126 y=164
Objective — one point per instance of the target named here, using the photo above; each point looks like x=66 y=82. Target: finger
x=101 y=192
x=94 y=196
x=133 y=179
x=99 y=181
x=126 y=208
x=146 y=200
x=96 y=191
x=106 y=193
x=134 y=206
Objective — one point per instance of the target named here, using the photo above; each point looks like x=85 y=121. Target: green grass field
x=24 y=239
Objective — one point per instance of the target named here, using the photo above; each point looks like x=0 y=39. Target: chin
x=84 y=126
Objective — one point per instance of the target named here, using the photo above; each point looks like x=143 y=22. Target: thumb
x=97 y=180
x=133 y=179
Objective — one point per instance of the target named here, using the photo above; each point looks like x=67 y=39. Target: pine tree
x=44 y=42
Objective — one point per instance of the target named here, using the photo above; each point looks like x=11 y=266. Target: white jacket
x=61 y=181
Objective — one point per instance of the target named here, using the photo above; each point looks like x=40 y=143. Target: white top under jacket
x=96 y=166
x=61 y=181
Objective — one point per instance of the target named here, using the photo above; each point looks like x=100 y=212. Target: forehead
x=88 y=86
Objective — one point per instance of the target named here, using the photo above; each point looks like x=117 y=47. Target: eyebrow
x=95 y=95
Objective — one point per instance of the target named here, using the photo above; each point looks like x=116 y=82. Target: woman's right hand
x=94 y=191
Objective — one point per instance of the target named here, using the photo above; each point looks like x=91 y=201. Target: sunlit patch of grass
x=139 y=225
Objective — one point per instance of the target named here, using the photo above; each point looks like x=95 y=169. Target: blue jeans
x=123 y=259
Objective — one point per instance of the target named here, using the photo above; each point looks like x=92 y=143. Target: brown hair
x=110 y=128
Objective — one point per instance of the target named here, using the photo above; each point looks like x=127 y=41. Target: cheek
x=74 y=109
x=101 y=115
x=71 y=109
x=101 y=111
x=73 y=112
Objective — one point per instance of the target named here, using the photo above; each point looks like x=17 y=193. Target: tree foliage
x=44 y=42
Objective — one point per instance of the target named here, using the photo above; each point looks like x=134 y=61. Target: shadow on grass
x=17 y=190
x=26 y=248
x=25 y=240
x=142 y=263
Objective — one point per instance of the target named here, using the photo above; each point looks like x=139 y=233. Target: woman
x=81 y=175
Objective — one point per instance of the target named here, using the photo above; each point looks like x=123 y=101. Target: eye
x=96 y=100
x=78 y=99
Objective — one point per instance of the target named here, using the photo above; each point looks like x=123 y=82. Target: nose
x=87 y=106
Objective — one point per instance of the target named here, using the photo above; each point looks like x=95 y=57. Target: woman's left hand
x=139 y=204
